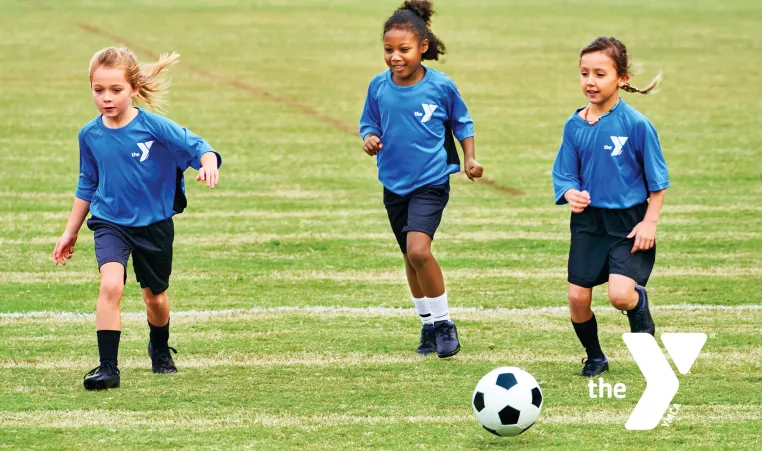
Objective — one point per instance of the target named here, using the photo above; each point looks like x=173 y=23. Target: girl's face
x=402 y=53
x=598 y=77
x=112 y=92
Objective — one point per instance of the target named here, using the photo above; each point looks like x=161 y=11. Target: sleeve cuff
x=658 y=186
x=87 y=196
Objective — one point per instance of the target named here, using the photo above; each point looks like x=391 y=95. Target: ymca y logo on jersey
x=145 y=148
x=428 y=110
x=618 y=144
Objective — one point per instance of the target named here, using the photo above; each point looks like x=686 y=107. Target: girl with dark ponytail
x=411 y=114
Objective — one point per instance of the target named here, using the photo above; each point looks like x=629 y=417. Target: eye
x=600 y=74
x=98 y=90
x=117 y=91
x=584 y=74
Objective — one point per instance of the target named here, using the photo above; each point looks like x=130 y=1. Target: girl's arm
x=645 y=231
x=472 y=167
x=65 y=245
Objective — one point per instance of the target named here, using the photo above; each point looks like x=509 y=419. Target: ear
x=424 y=45
x=135 y=91
x=623 y=80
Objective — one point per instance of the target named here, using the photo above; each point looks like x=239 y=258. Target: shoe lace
x=589 y=365
x=448 y=332
x=107 y=366
x=165 y=357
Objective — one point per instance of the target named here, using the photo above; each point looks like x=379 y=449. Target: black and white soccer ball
x=507 y=401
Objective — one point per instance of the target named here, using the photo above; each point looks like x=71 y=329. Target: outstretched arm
x=65 y=245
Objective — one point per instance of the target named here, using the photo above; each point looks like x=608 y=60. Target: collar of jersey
x=411 y=87
x=618 y=102
x=126 y=127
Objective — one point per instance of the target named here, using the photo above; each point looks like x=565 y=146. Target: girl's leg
x=580 y=299
x=428 y=343
x=626 y=295
x=108 y=328
x=622 y=292
x=412 y=280
x=586 y=328
x=112 y=286
x=431 y=281
x=157 y=307
x=157 y=311
x=426 y=267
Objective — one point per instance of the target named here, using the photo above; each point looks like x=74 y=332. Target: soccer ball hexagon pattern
x=507 y=401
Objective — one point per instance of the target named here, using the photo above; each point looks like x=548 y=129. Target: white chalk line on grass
x=372 y=311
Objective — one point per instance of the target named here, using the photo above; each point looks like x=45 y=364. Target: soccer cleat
x=594 y=367
x=102 y=377
x=161 y=359
x=428 y=340
x=447 y=339
x=640 y=317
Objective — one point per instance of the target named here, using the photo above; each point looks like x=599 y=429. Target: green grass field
x=291 y=313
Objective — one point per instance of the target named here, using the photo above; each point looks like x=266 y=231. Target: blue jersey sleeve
x=654 y=165
x=186 y=147
x=566 y=167
x=460 y=121
x=88 y=171
x=370 y=121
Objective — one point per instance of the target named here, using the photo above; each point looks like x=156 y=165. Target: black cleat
x=594 y=367
x=640 y=317
x=447 y=339
x=428 y=340
x=102 y=377
x=161 y=359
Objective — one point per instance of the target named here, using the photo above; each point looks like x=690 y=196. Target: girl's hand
x=210 y=176
x=64 y=248
x=372 y=144
x=578 y=200
x=645 y=236
x=473 y=169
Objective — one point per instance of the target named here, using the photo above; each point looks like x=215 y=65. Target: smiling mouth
x=398 y=67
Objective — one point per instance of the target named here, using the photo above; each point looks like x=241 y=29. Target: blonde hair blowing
x=151 y=88
x=627 y=87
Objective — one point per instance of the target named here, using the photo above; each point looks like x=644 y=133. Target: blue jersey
x=415 y=124
x=618 y=160
x=130 y=174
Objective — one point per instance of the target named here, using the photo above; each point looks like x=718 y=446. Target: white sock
x=422 y=307
x=438 y=307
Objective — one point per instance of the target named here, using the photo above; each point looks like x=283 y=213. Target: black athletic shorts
x=599 y=246
x=151 y=248
x=419 y=211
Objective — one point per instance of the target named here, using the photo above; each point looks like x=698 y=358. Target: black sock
x=587 y=333
x=108 y=345
x=159 y=335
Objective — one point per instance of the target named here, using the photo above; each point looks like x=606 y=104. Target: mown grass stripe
x=465 y=312
x=240 y=418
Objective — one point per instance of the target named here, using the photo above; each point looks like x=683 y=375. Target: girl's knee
x=621 y=298
x=580 y=297
x=112 y=289
x=418 y=256
x=153 y=300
